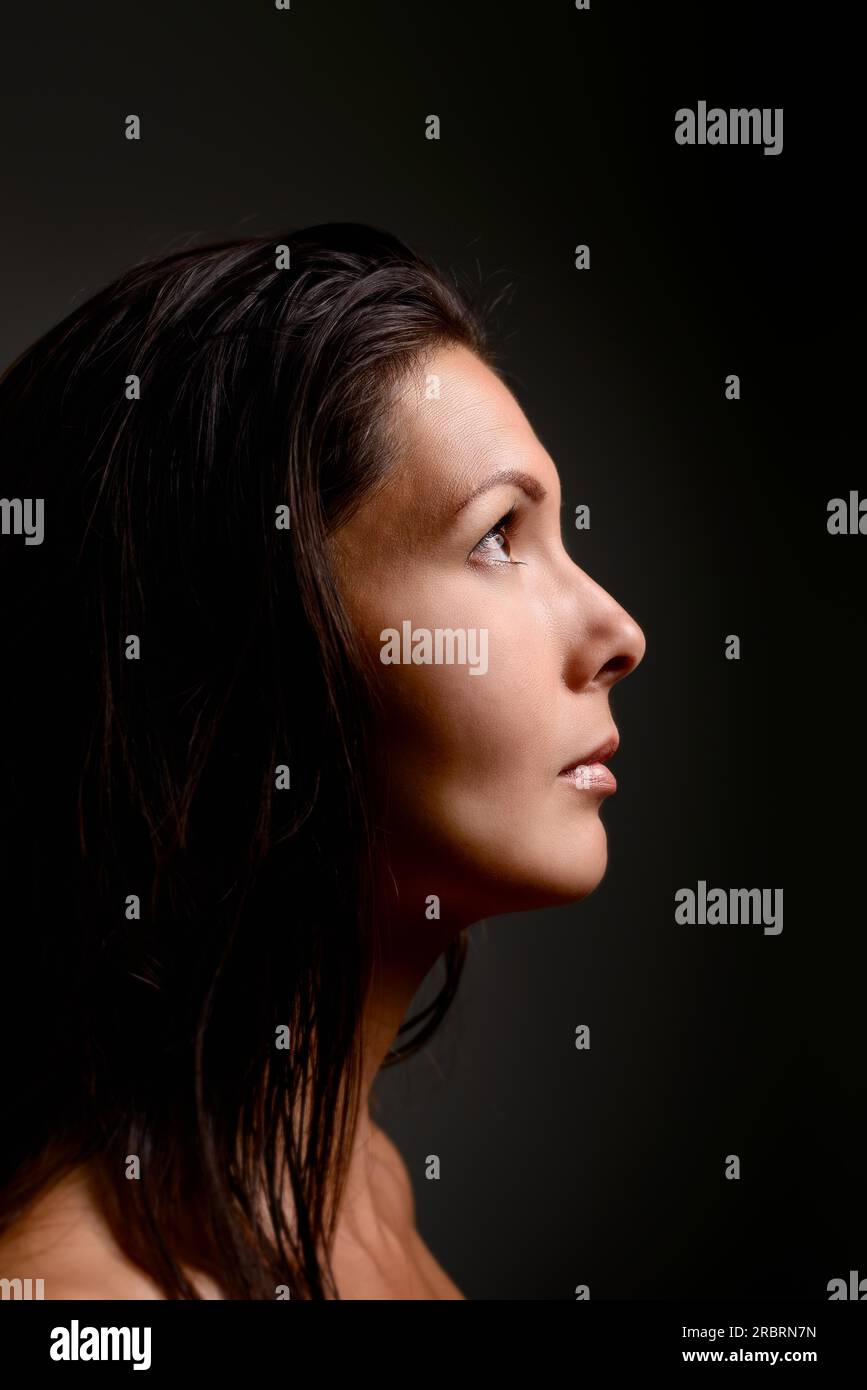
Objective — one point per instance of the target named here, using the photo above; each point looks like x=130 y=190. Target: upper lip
x=600 y=754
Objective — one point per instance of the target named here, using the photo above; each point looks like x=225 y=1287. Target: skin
x=65 y=1240
x=467 y=799
x=470 y=791
x=469 y=803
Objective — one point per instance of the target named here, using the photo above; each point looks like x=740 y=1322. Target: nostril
x=617 y=666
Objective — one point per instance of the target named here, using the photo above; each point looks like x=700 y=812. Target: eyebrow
x=525 y=481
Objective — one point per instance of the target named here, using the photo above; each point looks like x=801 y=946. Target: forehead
x=454 y=424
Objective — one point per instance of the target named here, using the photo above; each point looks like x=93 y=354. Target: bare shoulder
x=75 y=1268
x=110 y=1289
x=61 y=1248
x=38 y=1262
x=114 y=1283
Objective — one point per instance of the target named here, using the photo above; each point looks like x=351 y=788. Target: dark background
x=562 y=1167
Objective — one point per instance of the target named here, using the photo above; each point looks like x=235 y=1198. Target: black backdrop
x=562 y=1167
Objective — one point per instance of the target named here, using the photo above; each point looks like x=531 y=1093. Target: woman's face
x=469 y=786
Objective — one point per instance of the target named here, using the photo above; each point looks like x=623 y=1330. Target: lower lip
x=591 y=777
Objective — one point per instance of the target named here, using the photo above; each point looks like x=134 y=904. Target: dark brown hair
x=261 y=385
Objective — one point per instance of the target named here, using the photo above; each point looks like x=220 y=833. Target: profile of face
x=464 y=536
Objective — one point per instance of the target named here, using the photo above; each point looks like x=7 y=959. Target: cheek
x=471 y=791
x=464 y=743
x=468 y=766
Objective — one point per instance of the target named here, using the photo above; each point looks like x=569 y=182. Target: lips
x=600 y=754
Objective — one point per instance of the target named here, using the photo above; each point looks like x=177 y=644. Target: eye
x=494 y=547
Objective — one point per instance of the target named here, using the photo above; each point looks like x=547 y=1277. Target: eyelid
x=503 y=524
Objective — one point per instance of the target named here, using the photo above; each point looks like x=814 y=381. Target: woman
x=302 y=683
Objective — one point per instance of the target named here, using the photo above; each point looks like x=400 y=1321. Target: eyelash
x=504 y=524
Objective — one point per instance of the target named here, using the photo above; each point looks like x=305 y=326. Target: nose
x=605 y=642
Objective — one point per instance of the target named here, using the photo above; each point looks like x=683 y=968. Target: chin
x=573 y=885
x=561 y=873
x=579 y=868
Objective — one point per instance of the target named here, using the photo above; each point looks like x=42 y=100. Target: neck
x=408 y=951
